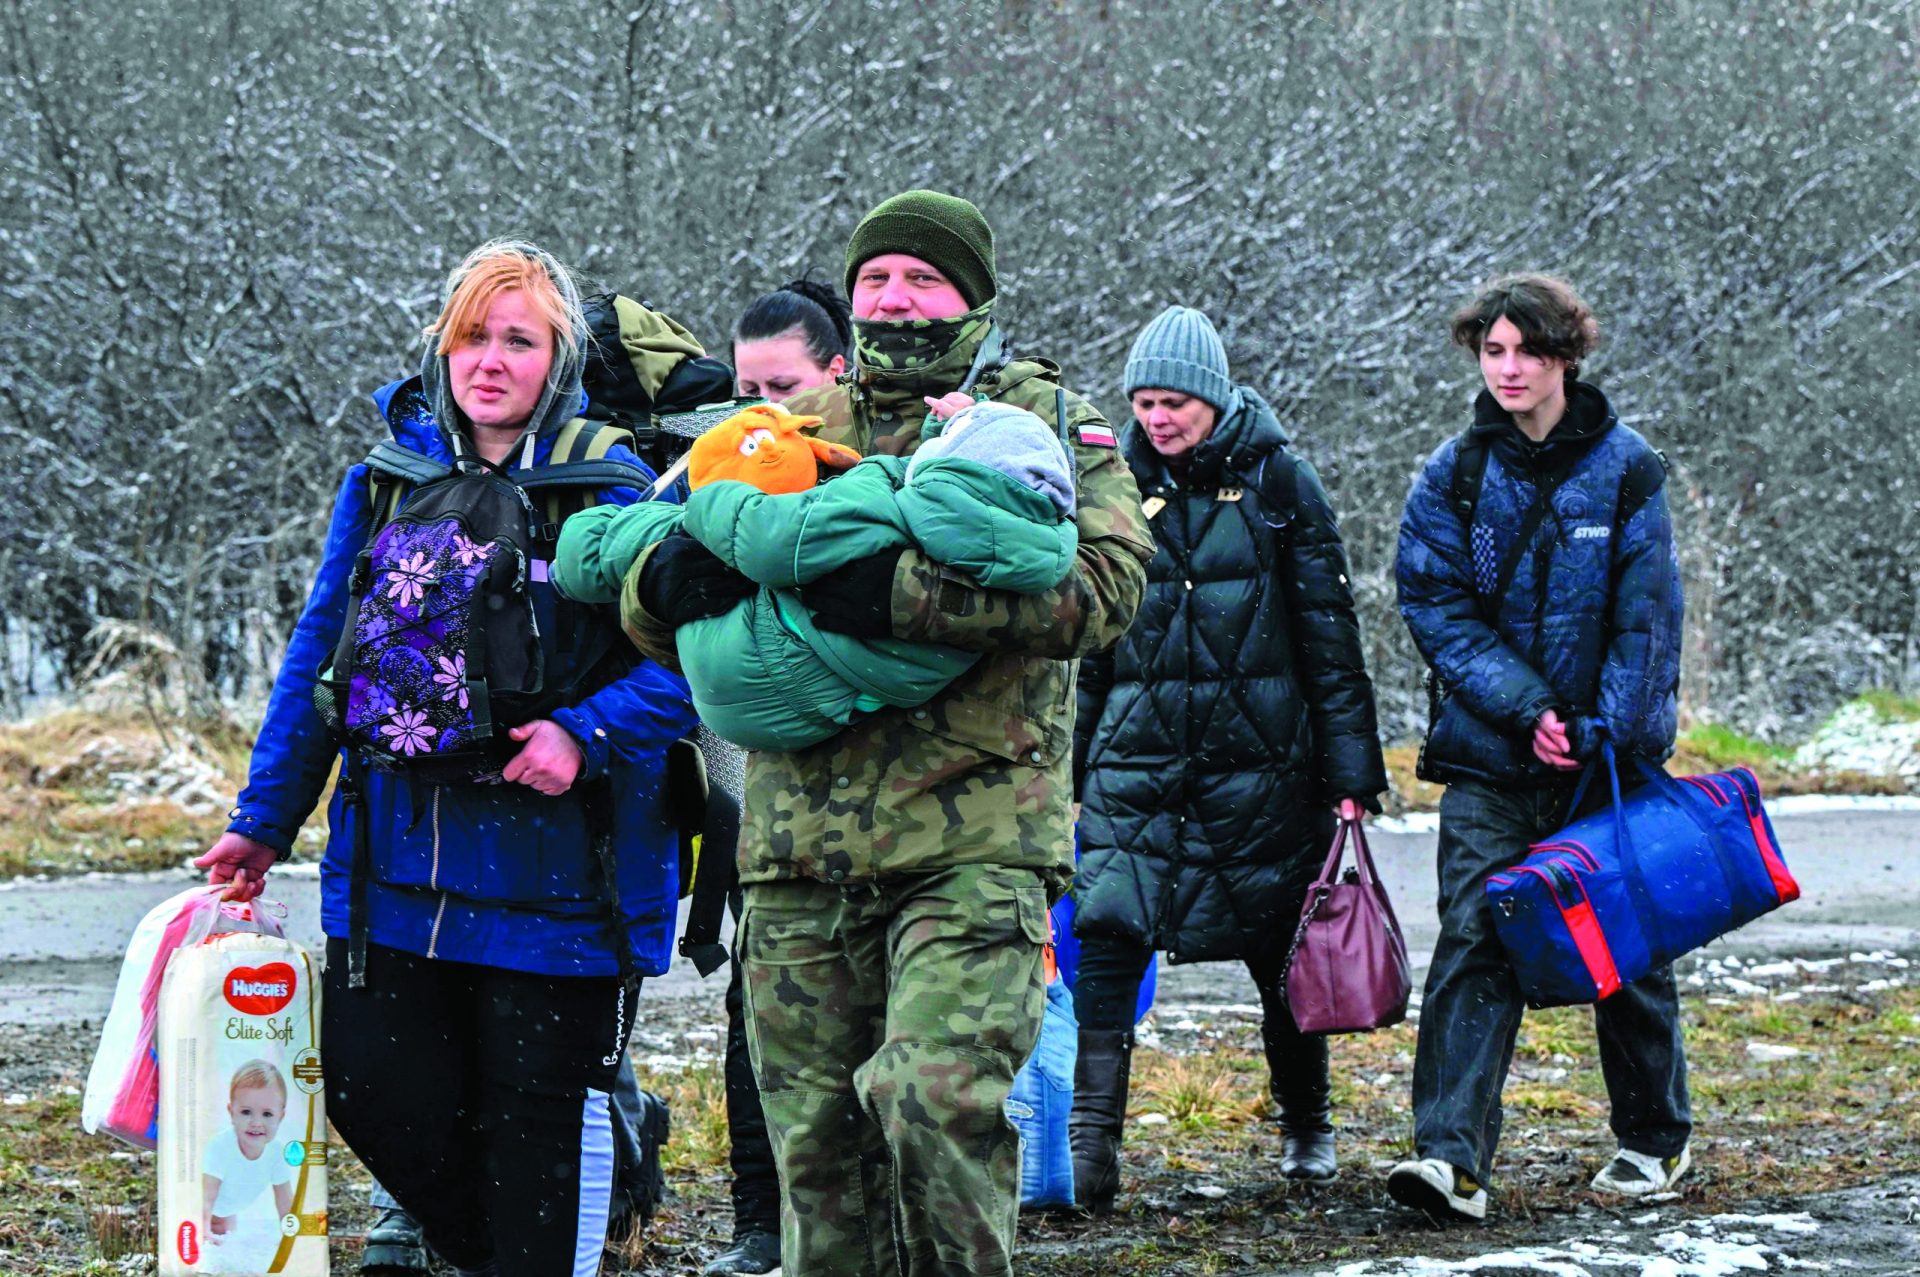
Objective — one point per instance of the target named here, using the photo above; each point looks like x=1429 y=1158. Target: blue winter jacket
x=1590 y=624
x=499 y=875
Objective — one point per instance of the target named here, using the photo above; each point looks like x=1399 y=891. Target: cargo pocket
x=795 y=979
x=1032 y=904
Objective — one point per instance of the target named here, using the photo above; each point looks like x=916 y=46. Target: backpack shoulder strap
x=577 y=467
x=1646 y=474
x=1469 y=470
x=391 y=470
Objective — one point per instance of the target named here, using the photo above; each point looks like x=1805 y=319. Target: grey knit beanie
x=1008 y=439
x=1180 y=351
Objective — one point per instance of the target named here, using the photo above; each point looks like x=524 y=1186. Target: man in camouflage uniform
x=898 y=875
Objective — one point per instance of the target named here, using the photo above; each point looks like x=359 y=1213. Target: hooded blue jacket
x=498 y=875
x=1590 y=624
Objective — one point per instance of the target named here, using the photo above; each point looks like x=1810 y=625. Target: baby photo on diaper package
x=242 y=1155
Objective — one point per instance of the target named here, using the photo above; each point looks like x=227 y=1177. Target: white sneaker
x=1634 y=1174
x=1438 y=1188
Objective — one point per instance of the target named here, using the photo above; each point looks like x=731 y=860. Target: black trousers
x=1107 y=988
x=479 y=1097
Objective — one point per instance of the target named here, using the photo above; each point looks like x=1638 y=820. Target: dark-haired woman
x=1546 y=599
x=787 y=341
x=792 y=339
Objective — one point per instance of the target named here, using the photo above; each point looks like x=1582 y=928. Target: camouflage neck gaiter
x=906 y=355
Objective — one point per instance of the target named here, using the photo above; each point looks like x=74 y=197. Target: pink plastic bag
x=123 y=1086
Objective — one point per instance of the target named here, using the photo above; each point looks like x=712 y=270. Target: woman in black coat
x=1217 y=743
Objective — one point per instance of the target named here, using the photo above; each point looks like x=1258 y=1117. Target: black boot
x=393 y=1246
x=1297 y=1065
x=1099 y=1115
x=754 y=1251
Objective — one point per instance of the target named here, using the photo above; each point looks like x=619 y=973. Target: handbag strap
x=1323 y=886
x=1363 y=858
x=1331 y=867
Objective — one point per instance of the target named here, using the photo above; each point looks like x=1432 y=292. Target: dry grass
x=1405 y=791
x=115 y=789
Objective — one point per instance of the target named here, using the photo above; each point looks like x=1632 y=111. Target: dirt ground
x=1805 y=1077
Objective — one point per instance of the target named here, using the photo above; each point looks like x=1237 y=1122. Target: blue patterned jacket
x=1590 y=624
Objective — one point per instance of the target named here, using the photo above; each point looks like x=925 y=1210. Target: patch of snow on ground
x=1858 y=739
x=1414 y=822
x=1682 y=1252
x=1798 y=1222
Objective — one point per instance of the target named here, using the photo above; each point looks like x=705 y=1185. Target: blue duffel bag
x=1041 y=1102
x=1679 y=863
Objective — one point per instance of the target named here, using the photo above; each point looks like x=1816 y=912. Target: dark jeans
x=480 y=1097
x=1470 y=1015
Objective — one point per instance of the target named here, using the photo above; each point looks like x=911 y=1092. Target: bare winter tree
x=222 y=227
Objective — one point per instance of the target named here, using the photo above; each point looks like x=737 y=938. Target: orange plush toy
x=763 y=445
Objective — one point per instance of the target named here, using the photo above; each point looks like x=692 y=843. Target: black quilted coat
x=1214 y=740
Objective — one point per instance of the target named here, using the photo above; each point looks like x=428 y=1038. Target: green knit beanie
x=944 y=231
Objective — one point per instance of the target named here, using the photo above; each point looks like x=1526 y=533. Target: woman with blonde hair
x=486 y=929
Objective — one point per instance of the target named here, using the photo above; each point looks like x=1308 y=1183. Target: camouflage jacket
x=981 y=773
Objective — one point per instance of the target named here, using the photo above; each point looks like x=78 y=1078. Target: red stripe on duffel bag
x=1712 y=792
x=1783 y=883
x=1588 y=938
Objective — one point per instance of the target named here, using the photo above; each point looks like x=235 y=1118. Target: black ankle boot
x=394 y=1246
x=1100 y=1076
x=1297 y=1064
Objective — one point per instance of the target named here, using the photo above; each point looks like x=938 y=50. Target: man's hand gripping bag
x=242 y=1162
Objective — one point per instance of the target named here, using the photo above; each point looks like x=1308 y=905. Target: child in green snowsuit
x=991 y=495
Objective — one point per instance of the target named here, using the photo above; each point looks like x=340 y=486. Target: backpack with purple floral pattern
x=442 y=652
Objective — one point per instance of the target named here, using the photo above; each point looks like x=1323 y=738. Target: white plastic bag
x=123 y=1092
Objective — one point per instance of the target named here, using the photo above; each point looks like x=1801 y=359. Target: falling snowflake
x=452 y=675
x=409 y=733
x=411 y=579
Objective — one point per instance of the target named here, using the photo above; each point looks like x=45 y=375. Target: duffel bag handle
x=1623 y=840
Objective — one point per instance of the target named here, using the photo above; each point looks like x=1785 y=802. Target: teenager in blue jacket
x=1547 y=631
x=480 y=1053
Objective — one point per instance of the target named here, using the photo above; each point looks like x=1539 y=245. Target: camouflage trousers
x=886 y=1020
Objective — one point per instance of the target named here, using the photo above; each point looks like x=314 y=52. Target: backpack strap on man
x=1646 y=474
x=570 y=477
x=708 y=875
x=1469 y=471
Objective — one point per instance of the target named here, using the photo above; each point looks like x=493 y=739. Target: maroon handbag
x=1347 y=969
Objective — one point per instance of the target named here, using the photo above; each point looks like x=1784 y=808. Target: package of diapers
x=242 y=1157
x=123 y=1086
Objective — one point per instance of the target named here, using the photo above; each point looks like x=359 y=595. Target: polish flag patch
x=1097 y=434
